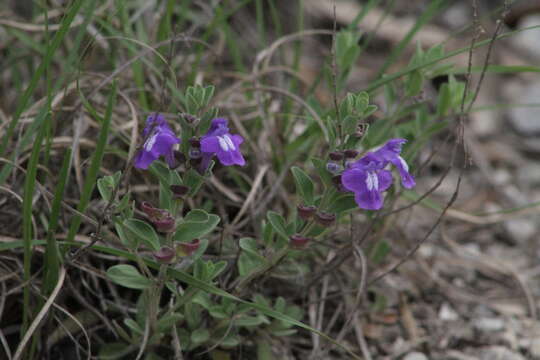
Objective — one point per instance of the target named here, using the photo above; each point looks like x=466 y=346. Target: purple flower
x=159 y=142
x=218 y=141
x=368 y=179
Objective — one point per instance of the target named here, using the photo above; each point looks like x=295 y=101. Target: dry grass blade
x=42 y=313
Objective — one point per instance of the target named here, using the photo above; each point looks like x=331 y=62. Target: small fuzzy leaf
x=381 y=249
x=200 y=336
x=143 y=232
x=105 y=186
x=128 y=276
x=249 y=245
x=414 y=83
x=196 y=224
x=278 y=223
x=304 y=184
x=128 y=241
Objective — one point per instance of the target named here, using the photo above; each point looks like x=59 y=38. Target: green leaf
x=414 y=83
x=250 y=321
x=167 y=322
x=143 y=232
x=218 y=312
x=444 y=101
x=380 y=250
x=218 y=268
x=193 y=180
x=128 y=241
x=349 y=124
x=134 y=327
x=342 y=203
x=304 y=185
x=264 y=350
x=128 y=276
x=278 y=223
x=247 y=264
x=200 y=336
x=97 y=158
x=249 y=245
x=105 y=186
x=370 y=109
x=159 y=170
x=196 y=224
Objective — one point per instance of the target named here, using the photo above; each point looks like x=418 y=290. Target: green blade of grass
x=493 y=69
x=387 y=79
x=52 y=260
x=29 y=186
x=58 y=37
x=91 y=177
x=427 y=15
x=67 y=66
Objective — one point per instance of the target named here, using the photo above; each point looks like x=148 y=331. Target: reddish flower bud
x=179 y=190
x=195 y=142
x=336 y=155
x=298 y=241
x=187 y=249
x=164 y=223
x=306 y=211
x=165 y=255
x=350 y=154
x=149 y=209
x=325 y=219
x=361 y=130
x=190 y=119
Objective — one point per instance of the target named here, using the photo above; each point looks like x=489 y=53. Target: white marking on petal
x=226 y=143
x=403 y=164
x=149 y=144
x=229 y=142
x=372 y=181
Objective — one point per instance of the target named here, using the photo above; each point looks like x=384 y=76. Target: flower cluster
x=368 y=177
x=160 y=141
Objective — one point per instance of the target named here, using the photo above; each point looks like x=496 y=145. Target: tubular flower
x=218 y=141
x=160 y=140
x=368 y=178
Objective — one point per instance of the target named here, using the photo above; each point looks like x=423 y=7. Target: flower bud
x=306 y=211
x=149 y=209
x=361 y=130
x=333 y=167
x=336 y=155
x=325 y=219
x=195 y=142
x=350 y=154
x=298 y=241
x=179 y=191
x=165 y=255
x=195 y=153
x=190 y=119
x=187 y=249
x=164 y=223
